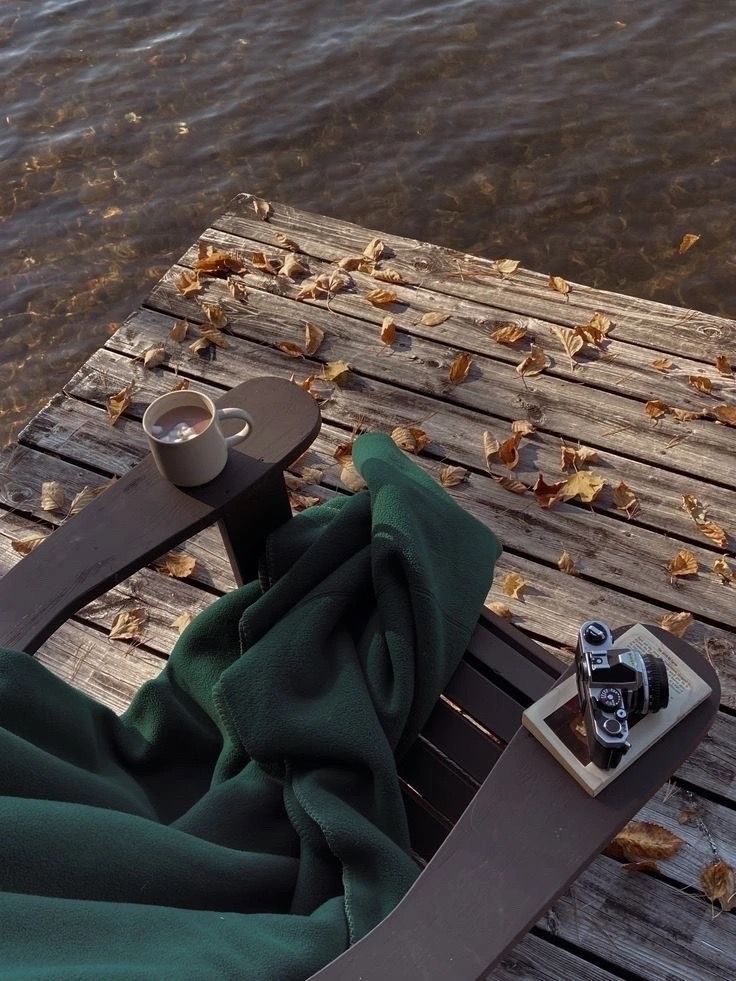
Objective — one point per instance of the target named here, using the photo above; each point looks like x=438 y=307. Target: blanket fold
x=243 y=819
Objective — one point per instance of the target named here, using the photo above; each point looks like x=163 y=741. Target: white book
x=556 y=721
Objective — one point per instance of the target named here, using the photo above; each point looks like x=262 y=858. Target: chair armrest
x=528 y=832
x=142 y=515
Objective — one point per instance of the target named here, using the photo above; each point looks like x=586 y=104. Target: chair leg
x=244 y=532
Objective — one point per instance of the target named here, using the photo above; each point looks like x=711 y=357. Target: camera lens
x=595 y=633
x=659 y=686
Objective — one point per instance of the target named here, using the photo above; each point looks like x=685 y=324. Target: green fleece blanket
x=243 y=819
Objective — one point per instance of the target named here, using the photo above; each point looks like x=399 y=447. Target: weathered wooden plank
x=624 y=368
x=536 y=959
x=555 y=405
x=656 y=325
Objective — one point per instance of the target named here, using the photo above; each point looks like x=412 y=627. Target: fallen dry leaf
x=410 y=438
x=713 y=531
x=287 y=243
x=374 y=250
x=154 y=356
x=500 y=609
x=625 y=499
x=452 y=476
x=291 y=348
x=724 y=570
x=337 y=372
x=302 y=502
x=118 y=403
x=188 y=282
x=566 y=564
x=573 y=456
x=350 y=477
x=181 y=622
x=313 y=337
x=459 y=368
x=178 y=332
x=535 y=362
x=387 y=332
x=269 y=264
x=83 y=498
x=262 y=209
x=677 y=623
x=725 y=414
x=338 y=280
x=685 y=415
x=433 y=318
x=23 y=546
x=353 y=262
x=389 y=275
x=506 y=267
x=510 y=334
x=179 y=565
x=513 y=585
x=656 y=408
x=662 y=364
x=698 y=512
x=293 y=267
x=547 y=494
x=181 y=386
x=381 y=297
x=583 y=484
x=700 y=383
x=560 y=284
x=687 y=242
x=508 y=452
x=642 y=840
x=688 y=815
x=511 y=484
x=718 y=882
x=52 y=495
x=343 y=452
x=595 y=332
x=523 y=427
x=491 y=447
x=209 y=335
x=315 y=288
x=723 y=364
x=128 y=624
x=573 y=343
x=214 y=314
x=213 y=261
x=683 y=564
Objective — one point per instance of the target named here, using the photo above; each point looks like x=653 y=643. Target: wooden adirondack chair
x=503 y=827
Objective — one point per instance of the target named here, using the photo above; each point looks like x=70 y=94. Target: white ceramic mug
x=200 y=458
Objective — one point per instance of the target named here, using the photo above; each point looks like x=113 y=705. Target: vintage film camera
x=616 y=688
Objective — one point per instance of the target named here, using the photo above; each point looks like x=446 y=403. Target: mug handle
x=235 y=414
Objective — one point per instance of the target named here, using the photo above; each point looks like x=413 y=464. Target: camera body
x=616 y=687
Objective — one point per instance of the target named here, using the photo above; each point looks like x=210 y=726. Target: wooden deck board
x=599 y=403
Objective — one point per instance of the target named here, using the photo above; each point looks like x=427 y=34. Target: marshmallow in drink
x=181 y=423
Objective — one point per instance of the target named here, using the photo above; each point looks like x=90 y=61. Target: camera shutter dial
x=609 y=698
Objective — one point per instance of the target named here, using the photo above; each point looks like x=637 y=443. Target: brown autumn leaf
x=511 y=484
x=641 y=840
x=381 y=297
x=698 y=512
x=688 y=815
x=181 y=622
x=595 y=332
x=179 y=565
x=508 y=452
x=188 y=282
x=523 y=427
x=387 y=332
x=683 y=564
x=700 y=383
x=201 y=344
x=410 y=438
x=128 y=625
x=573 y=343
x=52 y=495
x=154 y=356
x=547 y=494
x=178 y=332
x=513 y=585
x=713 y=531
x=677 y=623
x=337 y=372
x=723 y=364
x=118 y=403
x=287 y=243
x=83 y=498
x=560 y=284
x=724 y=570
x=718 y=882
x=374 y=250
x=23 y=546
x=353 y=262
x=214 y=314
x=583 y=484
x=339 y=280
x=566 y=564
x=181 y=386
x=725 y=414
x=313 y=289
x=313 y=337
x=500 y=609
x=506 y=267
x=663 y=364
x=491 y=447
x=452 y=476
x=343 y=452
x=656 y=408
x=350 y=477
x=212 y=260
x=625 y=499
x=389 y=275
x=262 y=209
x=292 y=267
x=269 y=264
x=571 y=457
x=510 y=334
x=301 y=502
x=290 y=348
x=687 y=242
x=433 y=318
x=459 y=368
x=534 y=363
x=685 y=415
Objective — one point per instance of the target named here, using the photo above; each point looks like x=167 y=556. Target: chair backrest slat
x=440 y=783
x=460 y=740
x=476 y=695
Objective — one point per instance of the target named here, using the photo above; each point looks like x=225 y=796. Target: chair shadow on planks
x=501 y=829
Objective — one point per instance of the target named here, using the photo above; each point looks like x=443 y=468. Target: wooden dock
x=644 y=391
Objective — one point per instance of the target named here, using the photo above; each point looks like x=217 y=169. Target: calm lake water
x=583 y=137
